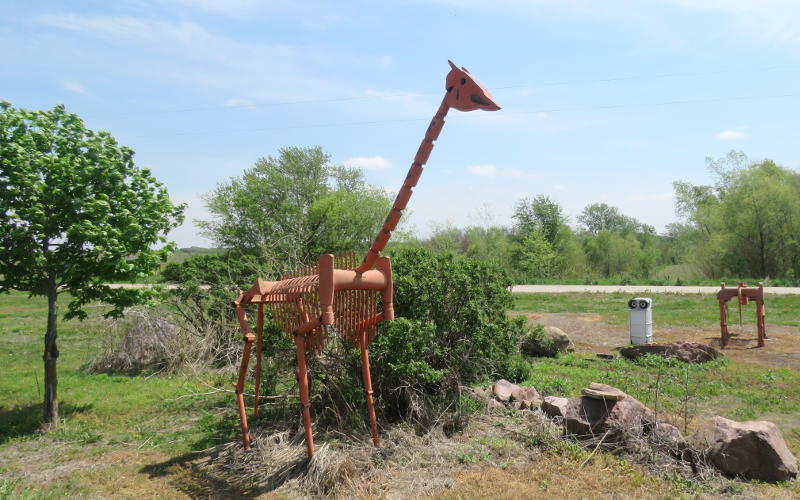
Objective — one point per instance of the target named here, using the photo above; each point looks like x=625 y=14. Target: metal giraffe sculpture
x=336 y=292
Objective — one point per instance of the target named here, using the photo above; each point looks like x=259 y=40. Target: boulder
x=754 y=450
x=689 y=352
x=526 y=394
x=603 y=391
x=493 y=405
x=621 y=419
x=561 y=340
x=554 y=406
x=667 y=437
x=503 y=389
x=550 y=342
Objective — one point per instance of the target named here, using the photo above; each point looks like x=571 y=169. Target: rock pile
x=688 y=352
x=752 y=450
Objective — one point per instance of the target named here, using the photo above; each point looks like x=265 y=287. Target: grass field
x=135 y=437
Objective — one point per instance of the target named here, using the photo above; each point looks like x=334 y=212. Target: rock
x=689 y=352
x=754 y=450
x=481 y=392
x=668 y=438
x=493 y=405
x=622 y=419
x=554 y=406
x=526 y=393
x=560 y=339
x=603 y=391
x=550 y=342
x=502 y=390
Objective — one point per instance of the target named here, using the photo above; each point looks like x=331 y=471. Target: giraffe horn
x=451 y=64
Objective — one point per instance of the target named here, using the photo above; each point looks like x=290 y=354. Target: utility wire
x=416 y=94
x=550 y=110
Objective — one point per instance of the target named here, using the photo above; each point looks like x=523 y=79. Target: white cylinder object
x=641 y=320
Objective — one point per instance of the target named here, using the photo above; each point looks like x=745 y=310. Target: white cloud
x=368 y=163
x=130 y=28
x=483 y=170
x=559 y=187
x=728 y=135
x=494 y=171
x=237 y=103
x=75 y=87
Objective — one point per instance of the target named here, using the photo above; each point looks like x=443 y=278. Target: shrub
x=451 y=330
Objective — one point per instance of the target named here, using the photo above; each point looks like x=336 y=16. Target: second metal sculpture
x=338 y=293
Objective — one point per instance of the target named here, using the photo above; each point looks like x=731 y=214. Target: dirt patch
x=591 y=333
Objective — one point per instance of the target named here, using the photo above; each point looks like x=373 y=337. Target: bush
x=451 y=330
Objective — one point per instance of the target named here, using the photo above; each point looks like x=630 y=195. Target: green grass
x=98 y=412
x=668 y=310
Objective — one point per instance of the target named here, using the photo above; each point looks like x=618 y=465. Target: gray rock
x=560 y=339
x=493 y=405
x=688 y=352
x=502 y=390
x=623 y=420
x=526 y=393
x=667 y=437
x=554 y=406
x=754 y=450
x=603 y=391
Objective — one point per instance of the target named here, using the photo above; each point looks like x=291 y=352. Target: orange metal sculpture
x=744 y=294
x=336 y=292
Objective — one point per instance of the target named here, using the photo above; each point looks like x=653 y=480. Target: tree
x=600 y=216
x=75 y=213
x=747 y=222
x=294 y=207
x=538 y=214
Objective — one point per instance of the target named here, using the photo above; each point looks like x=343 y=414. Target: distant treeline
x=291 y=207
x=746 y=224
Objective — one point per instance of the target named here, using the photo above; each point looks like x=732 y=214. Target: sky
x=603 y=101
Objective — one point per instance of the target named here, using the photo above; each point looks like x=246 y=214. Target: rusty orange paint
x=744 y=294
x=304 y=302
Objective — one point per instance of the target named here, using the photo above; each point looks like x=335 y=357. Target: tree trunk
x=50 y=414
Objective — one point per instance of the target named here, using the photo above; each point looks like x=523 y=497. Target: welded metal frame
x=336 y=292
x=744 y=294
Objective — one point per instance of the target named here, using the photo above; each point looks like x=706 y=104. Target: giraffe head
x=465 y=92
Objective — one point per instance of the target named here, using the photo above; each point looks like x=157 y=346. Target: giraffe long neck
x=400 y=202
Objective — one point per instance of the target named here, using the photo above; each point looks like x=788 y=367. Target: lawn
x=145 y=431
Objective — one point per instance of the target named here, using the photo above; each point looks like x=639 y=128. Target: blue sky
x=603 y=101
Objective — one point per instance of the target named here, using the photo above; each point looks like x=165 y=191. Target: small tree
x=75 y=213
x=292 y=208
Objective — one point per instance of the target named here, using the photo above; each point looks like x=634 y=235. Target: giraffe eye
x=463 y=81
x=449 y=89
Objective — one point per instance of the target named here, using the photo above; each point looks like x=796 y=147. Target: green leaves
x=291 y=208
x=74 y=205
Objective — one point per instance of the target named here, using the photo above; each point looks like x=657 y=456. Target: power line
x=550 y=110
x=416 y=94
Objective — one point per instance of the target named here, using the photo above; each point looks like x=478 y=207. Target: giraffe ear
x=453 y=66
x=464 y=69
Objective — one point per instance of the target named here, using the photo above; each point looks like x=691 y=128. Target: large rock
x=689 y=352
x=603 y=391
x=554 y=406
x=551 y=342
x=622 y=420
x=503 y=389
x=754 y=450
x=528 y=396
x=561 y=340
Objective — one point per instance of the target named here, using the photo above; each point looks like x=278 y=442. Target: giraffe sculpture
x=337 y=292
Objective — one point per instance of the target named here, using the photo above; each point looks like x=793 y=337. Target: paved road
x=631 y=289
x=627 y=289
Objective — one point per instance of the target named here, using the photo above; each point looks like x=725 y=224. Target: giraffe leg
x=259 y=356
x=239 y=385
x=373 y=425
x=302 y=380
